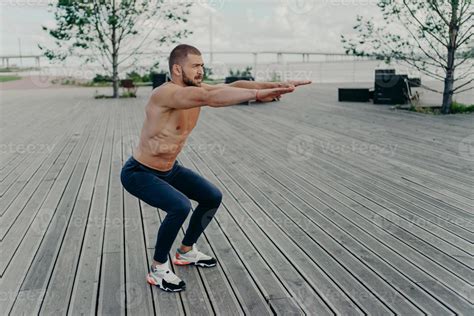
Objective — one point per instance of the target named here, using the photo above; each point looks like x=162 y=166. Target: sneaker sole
x=151 y=281
x=200 y=264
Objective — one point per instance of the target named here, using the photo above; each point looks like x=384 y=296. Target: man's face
x=193 y=70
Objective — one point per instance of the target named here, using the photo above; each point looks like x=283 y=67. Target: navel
x=178 y=127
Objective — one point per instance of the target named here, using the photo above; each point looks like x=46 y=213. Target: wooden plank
x=265 y=278
x=42 y=268
x=316 y=133
x=332 y=295
x=245 y=144
x=86 y=283
x=11 y=171
x=29 y=211
x=326 y=262
x=60 y=287
x=52 y=117
x=280 y=193
x=286 y=198
x=139 y=299
x=397 y=228
x=314 y=158
x=10 y=282
x=17 y=197
x=371 y=131
x=42 y=143
x=382 y=171
x=426 y=223
x=312 y=121
x=311 y=239
x=112 y=286
x=361 y=121
x=325 y=99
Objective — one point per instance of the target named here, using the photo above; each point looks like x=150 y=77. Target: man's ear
x=177 y=70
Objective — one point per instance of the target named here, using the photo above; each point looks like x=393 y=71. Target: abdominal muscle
x=163 y=136
x=159 y=153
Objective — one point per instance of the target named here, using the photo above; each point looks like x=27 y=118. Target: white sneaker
x=194 y=257
x=165 y=279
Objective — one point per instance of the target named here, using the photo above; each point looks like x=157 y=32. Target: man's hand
x=267 y=95
x=295 y=83
x=285 y=84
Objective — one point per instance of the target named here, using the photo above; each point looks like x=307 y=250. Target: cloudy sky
x=239 y=25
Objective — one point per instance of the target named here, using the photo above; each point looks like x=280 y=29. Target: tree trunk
x=448 y=83
x=449 y=79
x=115 y=78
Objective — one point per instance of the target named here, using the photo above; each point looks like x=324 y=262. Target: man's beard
x=187 y=81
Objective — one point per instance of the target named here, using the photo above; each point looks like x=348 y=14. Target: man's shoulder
x=161 y=93
x=165 y=88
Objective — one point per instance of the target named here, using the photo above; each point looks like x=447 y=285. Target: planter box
x=233 y=79
x=158 y=79
x=354 y=95
x=391 y=89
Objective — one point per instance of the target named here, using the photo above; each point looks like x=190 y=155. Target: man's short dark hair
x=179 y=53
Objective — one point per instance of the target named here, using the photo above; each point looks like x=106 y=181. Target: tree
x=111 y=32
x=434 y=36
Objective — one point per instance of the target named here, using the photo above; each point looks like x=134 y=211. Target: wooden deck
x=329 y=208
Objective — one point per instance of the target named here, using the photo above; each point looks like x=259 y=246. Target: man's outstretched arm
x=190 y=97
x=267 y=85
x=245 y=84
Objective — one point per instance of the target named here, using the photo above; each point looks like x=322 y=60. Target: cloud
x=279 y=24
x=238 y=25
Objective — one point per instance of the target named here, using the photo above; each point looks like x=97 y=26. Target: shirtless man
x=154 y=175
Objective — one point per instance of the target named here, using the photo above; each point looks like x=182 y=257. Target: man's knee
x=215 y=198
x=182 y=208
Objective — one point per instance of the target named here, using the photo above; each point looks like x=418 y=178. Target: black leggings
x=171 y=191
